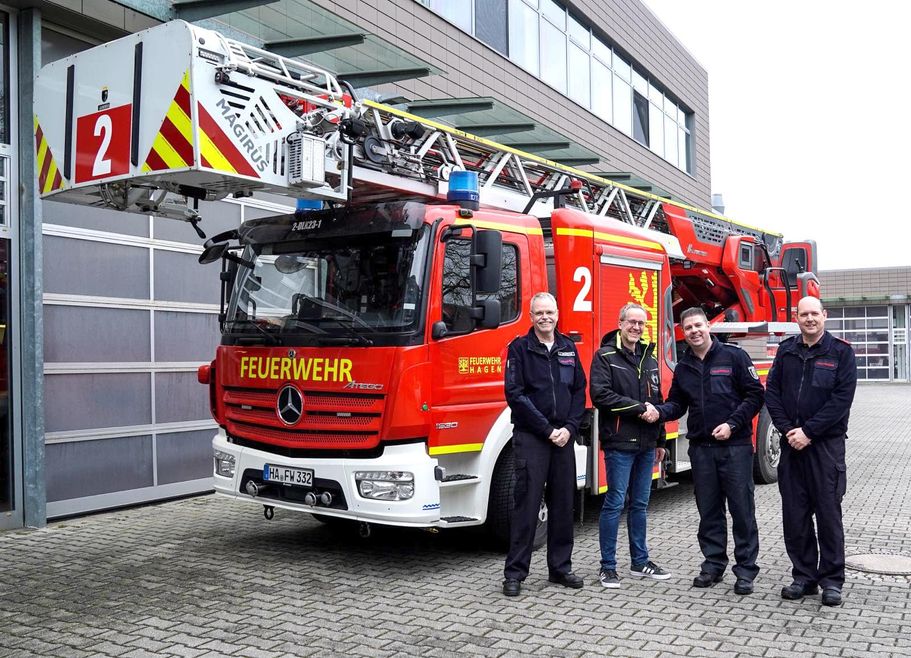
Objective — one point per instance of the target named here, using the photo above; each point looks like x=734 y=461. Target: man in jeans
x=719 y=386
x=624 y=386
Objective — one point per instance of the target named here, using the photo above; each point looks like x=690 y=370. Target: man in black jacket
x=719 y=386
x=810 y=391
x=545 y=390
x=624 y=379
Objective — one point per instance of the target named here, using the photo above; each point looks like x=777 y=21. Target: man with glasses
x=624 y=386
x=545 y=390
x=718 y=385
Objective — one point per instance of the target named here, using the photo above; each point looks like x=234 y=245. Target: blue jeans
x=631 y=471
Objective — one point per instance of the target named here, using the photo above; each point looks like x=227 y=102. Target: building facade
x=104 y=317
x=870 y=308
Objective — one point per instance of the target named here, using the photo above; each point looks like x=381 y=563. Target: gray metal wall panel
x=96 y=219
x=87 y=401
x=179 y=397
x=87 y=468
x=80 y=334
x=180 y=278
x=184 y=456
x=83 y=267
x=216 y=217
x=186 y=336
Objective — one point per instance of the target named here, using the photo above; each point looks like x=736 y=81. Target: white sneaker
x=649 y=570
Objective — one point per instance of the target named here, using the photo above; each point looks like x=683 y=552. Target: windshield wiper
x=351 y=315
x=351 y=337
x=270 y=337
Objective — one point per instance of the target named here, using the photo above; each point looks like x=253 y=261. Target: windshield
x=326 y=281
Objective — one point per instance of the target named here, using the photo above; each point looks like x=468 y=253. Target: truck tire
x=768 y=450
x=499 y=506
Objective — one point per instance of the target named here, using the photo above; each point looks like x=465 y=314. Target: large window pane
x=670 y=139
x=640 y=118
x=623 y=106
x=601 y=91
x=579 y=33
x=601 y=51
x=523 y=36
x=553 y=56
x=622 y=68
x=554 y=13
x=490 y=23
x=682 y=149
x=455 y=11
x=579 y=75
x=656 y=128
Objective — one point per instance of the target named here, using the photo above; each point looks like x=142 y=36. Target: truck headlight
x=385 y=485
x=224 y=464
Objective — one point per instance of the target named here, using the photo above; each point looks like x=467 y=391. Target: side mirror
x=487 y=313
x=486 y=261
x=438 y=330
x=213 y=253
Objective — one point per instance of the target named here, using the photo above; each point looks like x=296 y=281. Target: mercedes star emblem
x=290 y=405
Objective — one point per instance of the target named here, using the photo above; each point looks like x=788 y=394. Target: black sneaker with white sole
x=649 y=570
x=609 y=578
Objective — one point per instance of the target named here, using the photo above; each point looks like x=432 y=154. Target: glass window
x=579 y=33
x=640 y=118
x=670 y=140
x=683 y=149
x=523 y=36
x=601 y=91
x=457 y=299
x=457 y=12
x=509 y=284
x=490 y=24
x=4 y=83
x=601 y=51
x=877 y=311
x=656 y=128
x=623 y=106
x=669 y=108
x=554 y=13
x=621 y=68
x=579 y=75
x=854 y=312
x=655 y=95
x=640 y=84
x=553 y=56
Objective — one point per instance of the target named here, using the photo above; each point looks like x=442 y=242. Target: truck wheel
x=768 y=450
x=499 y=506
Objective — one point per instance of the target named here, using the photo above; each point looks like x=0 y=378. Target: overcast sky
x=810 y=118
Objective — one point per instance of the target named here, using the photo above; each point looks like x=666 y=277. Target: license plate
x=299 y=477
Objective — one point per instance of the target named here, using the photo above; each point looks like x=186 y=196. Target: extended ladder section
x=156 y=121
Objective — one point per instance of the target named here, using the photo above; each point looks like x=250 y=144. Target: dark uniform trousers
x=725 y=473
x=812 y=482
x=538 y=461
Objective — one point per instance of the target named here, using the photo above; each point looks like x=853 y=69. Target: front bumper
x=336 y=476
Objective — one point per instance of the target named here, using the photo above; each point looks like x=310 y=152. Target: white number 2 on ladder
x=582 y=302
x=103 y=127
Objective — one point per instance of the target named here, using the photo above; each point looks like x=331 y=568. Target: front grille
x=334 y=421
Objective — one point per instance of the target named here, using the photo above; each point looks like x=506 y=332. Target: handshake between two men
x=651 y=415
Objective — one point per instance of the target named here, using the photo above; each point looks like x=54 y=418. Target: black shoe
x=796 y=591
x=743 y=586
x=512 y=587
x=567 y=580
x=707 y=579
x=831 y=596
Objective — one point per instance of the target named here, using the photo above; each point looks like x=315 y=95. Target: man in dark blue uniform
x=809 y=394
x=719 y=386
x=545 y=390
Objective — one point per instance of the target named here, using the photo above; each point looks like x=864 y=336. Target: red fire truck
x=360 y=372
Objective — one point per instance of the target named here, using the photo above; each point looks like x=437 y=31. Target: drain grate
x=897 y=565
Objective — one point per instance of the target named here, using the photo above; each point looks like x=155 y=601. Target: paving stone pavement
x=208 y=577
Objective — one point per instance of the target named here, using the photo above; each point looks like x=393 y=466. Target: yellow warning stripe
x=449 y=450
x=579 y=173
x=607 y=237
x=214 y=157
x=166 y=152
x=527 y=230
x=51 y=175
